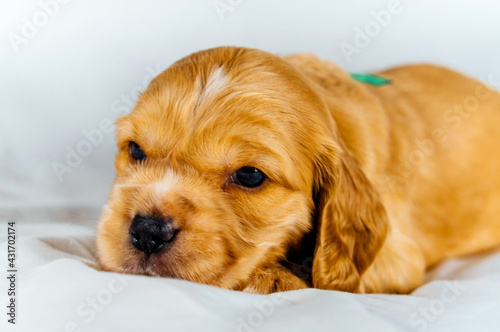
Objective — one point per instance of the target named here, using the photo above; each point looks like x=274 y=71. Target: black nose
x=151 y=234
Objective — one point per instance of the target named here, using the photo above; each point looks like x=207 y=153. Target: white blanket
x=60 y=289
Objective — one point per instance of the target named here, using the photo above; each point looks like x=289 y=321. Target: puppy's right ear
x=124 y=134
x=124 y=129
x=351 y=221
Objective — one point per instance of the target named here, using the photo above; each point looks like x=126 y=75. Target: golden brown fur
x=386 y=180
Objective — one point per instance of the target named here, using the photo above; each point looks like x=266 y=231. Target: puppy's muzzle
x=151 y=234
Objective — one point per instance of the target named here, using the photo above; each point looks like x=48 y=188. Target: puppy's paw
x=273 y=279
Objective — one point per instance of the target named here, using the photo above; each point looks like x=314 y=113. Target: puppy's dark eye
x=249 y=177
x=136 y=152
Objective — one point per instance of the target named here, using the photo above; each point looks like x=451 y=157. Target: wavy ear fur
x=351 y=222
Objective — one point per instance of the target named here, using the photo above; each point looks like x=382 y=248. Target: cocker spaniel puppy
x=254 y=172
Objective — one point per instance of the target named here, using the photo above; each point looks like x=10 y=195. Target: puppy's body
x=391 y=179
x=429 y=143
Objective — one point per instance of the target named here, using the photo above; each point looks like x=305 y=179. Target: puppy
x=248 y=171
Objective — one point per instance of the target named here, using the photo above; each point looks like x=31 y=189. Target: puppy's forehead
x=215 y=99
x=222 y=107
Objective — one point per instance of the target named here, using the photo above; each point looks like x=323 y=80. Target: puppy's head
x=226 y=161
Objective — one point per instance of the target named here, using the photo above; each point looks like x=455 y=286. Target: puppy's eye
x=249 y=177
x=136 y=152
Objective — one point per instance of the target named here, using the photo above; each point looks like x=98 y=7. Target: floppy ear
x=351 y=222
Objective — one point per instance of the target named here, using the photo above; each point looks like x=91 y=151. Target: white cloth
x=60 y=290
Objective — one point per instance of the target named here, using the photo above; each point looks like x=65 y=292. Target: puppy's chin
x=157 y=265
x=153 y=265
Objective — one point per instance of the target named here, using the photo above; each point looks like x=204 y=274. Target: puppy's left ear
x=350 y=220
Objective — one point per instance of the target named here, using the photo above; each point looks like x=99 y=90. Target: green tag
x=370 y=79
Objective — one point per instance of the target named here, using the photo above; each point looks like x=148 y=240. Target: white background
x=67 y=76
